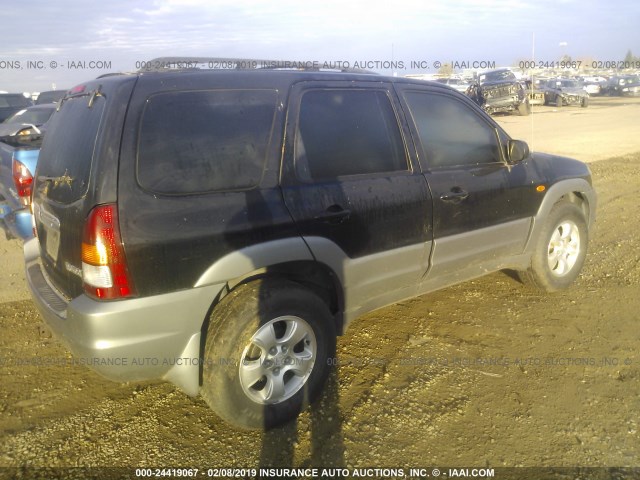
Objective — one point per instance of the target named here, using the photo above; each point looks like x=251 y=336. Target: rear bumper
x=536 y=98
x=147 y=338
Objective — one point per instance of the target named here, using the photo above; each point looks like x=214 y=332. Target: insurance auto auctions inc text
x=371 y=472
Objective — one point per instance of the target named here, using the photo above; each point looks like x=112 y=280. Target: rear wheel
x=267 y=353
x=560 y=249
x=585 y=102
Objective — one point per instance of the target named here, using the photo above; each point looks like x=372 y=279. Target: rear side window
x=67 y=149
x=204 y=141
x=347 y=132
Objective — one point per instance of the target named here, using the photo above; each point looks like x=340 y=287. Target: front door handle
x=455 y=195
x=335 y=214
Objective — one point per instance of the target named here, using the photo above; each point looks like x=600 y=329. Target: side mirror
x=517 y=151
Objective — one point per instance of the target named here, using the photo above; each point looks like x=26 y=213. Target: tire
x=267 y=354
x=559 y=101
x=524 y=109
x=560 y=249
x=585 y=102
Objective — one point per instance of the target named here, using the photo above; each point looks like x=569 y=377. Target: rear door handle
x=335 y=214
x=455 y=195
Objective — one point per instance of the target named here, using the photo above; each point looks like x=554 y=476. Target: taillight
x=23 y=180
x=104 y=266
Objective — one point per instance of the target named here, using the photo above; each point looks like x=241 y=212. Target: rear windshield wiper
x=92 y=94
x=57 y=181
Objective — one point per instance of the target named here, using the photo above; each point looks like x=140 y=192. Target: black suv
x=218 y=229
x=498 y=91
x=627 y=85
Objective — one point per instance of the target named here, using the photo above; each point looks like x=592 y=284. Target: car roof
x=290 y=70
x=268 y=77
x=501 y=69
x=42 y=106
x=16 y=95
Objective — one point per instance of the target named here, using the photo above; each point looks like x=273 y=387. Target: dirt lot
x=487 y=373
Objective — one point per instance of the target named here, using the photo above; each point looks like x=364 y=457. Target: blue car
x=20 y=139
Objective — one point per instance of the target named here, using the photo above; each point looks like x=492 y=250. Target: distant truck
x=498 y=91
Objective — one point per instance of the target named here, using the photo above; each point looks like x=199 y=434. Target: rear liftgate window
x=67 y=149
x=204 y=141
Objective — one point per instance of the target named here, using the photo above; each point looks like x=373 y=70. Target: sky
x=48 y=45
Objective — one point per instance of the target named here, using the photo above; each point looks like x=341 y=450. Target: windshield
x=68 y=147
x=30 y=117
x=569 y=84
x=497 y=76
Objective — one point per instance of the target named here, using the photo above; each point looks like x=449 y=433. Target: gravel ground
x=487 y=374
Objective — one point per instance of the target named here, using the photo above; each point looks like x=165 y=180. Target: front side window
x=450 y=132
x=204 y=141
x=347 y=132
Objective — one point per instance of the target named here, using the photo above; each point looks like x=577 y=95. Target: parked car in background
x=535 y=90
x=624 y=86
x=563 y=91
x=51 y=96
x=592 y=88
x=20 y=140
x=498 y=91
x=27 y=121
x=10 y=103
x=595 y=79
x=457 y=83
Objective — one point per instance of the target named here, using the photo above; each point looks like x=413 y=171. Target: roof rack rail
x=163 y=64
x=112 y=74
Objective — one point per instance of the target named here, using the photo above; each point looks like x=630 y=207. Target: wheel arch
x=288 y=259
x=577 y=191
x=316 y=276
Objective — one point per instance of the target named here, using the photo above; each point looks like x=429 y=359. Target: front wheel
x=267 y=354
x=585 y=102
x=560 y=249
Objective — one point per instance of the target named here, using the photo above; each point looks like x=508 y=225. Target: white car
x=591 y=88
x=457 y=83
